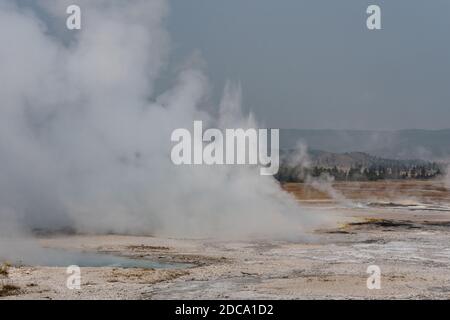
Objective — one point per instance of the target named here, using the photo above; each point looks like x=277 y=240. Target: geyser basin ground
x=409 y=246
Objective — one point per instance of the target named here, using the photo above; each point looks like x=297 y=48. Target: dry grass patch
x=9 y=290
x=4 y=269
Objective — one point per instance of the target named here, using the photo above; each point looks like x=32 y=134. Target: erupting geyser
x=85 y=139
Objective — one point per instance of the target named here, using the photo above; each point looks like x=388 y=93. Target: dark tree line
x=288 y=173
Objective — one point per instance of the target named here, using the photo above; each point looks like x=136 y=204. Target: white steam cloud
x=85 y=143
x=447 y=177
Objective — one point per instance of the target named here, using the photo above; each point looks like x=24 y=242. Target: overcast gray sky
x=314 y=64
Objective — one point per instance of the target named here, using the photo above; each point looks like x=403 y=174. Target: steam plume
x=85 y=140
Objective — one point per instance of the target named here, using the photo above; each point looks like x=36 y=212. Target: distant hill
x=404 y=144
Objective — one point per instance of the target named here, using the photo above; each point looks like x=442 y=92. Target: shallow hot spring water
x=50 y=257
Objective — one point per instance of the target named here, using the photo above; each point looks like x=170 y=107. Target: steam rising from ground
x=85 y=141
x=447 y=177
